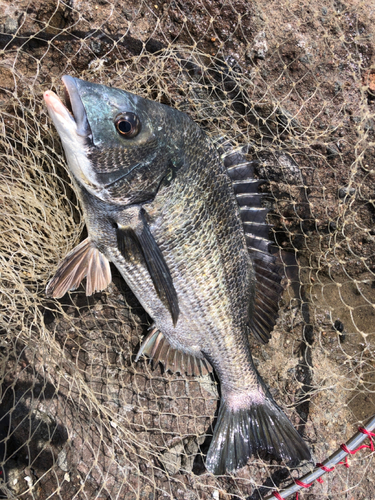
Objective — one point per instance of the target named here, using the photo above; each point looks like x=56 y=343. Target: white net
x=295 y=82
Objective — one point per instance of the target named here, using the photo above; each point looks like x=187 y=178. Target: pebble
x=338 y=326
x=96 y=46
x=10 y=26
x=337 y=87
x=346 y=191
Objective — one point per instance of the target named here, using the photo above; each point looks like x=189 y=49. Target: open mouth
x=74 y=104
x=68 y=104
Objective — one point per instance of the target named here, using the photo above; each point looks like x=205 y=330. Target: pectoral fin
x=84 y=260
x=156 y=265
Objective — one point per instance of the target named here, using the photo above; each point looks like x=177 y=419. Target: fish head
x=119 y=146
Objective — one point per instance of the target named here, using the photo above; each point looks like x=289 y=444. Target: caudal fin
x=245 y=432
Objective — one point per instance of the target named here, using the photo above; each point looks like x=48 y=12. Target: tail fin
x=245 y=432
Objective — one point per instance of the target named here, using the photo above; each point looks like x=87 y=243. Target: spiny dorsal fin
x=268 y=274
x=84 y=260
x=157 y=348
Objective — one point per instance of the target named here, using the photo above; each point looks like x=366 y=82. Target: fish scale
x=197 y=248
x=181 y=218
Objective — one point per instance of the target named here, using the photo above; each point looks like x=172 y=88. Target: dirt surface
x=79 y=418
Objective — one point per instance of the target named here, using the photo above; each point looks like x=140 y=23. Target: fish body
x=186 y=230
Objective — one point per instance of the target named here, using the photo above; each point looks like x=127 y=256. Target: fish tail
x=241 y=433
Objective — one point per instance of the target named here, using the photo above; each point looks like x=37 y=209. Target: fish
x=181 y=217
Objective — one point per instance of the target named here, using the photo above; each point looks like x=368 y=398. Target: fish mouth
x=74 y=104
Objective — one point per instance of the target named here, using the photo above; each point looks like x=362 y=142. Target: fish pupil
x=124 y=126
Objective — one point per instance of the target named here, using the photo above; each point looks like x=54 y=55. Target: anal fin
x=85 y=260
x=157 y=348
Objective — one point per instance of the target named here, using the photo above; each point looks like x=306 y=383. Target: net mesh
x=292 y=81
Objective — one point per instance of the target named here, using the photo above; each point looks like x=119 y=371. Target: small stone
x=68 y=48
x=346 y=191
x=338 y=326
x=337 y=87
x=96 y=46
x=127 y=13
x=10 y=25
x=332 y=151
x=62 y=461
x=28 y=480
x=369 y=125
x=172 y=458
x=260 y=47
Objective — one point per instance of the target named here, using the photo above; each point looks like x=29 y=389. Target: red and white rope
x=350 y=448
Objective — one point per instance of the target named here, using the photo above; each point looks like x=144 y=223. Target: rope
x=300 y=484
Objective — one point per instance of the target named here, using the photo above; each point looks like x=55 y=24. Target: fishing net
x=293 y=85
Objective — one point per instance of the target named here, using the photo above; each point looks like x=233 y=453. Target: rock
x=260 y=47
x=346 y=191
x=280 y=167
x=10 y=26
x=172 y=458
x=96 y=46
x=62 y=461
x=338 y=326
x=191 y=449
x=182 y=454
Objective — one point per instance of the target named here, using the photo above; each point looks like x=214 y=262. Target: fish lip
x=75 y=105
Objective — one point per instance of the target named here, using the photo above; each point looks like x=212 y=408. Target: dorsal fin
x=268 y=274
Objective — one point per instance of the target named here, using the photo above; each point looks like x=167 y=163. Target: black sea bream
x=185 y=227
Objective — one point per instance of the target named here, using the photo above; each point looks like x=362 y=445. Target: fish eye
x=128 y=125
